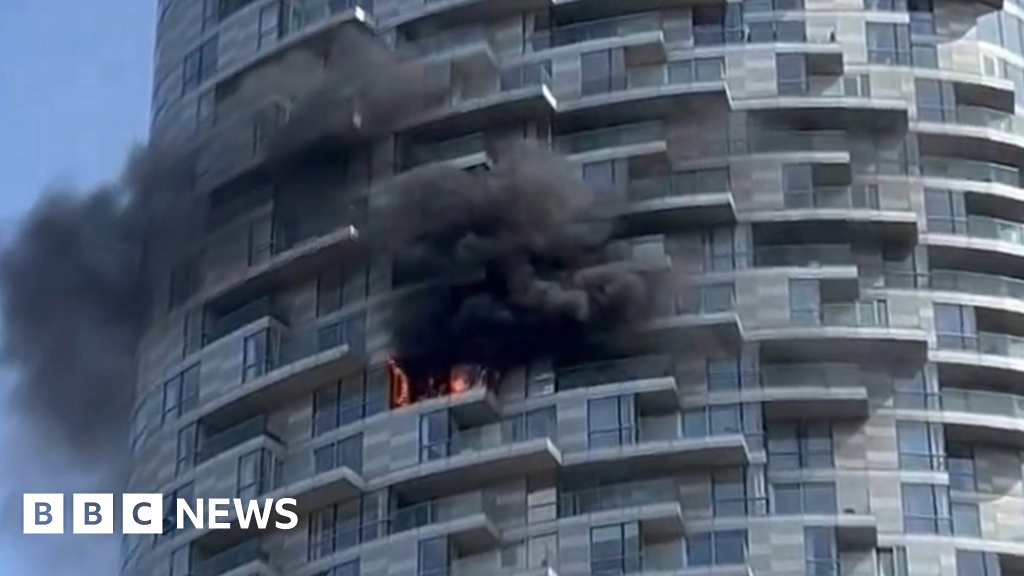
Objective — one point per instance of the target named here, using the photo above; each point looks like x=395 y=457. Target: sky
x=75 y=79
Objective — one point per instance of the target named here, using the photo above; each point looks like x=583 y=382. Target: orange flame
x=458 y=381
x=401 y=394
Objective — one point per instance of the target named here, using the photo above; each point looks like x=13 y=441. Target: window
x=777 y=31
x=183 y=284
x=341 y=526
x=723 y=375
x=926 y=509
x=804 y=302
x=800 y=445
x=729 y=492
x=972 y=563
x=798 y=185
x=211 y=13
x=966 y=519
x=181 y=561
x=347 y=453
x=888 y=43
x=955 y=327
x=912 y=393
x=269 y=30
x=885 y=5
x=722 y=250
x=181 y=393
x=924 y=55
x=602 y=71
x=946 y=211
x=611 y=422
x=349 y=400
x=935 y=101
x=337 y=288
x=960 y=461
x=763 y=6
x=820 y=551
x=186 y=450
x=185 y=492
x=255 y=474
x=350 y=568
x=205 y=111
x=615 y=549
x=921 y=446
x=435 y=436
x=707 y=299
x=723 y=548
x=712 y=421
x=892 y=561
x=805 y=498
x=199 y=66
x=717 y=24
x=256 y=355
x=432 y=557
x=602 y=176
x=922 y=17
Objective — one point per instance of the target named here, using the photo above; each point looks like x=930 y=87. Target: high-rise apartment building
x=842 y=393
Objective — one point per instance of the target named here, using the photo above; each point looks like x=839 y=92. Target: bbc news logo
x=143 y=513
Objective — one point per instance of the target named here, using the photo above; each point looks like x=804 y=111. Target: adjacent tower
x=842 y=393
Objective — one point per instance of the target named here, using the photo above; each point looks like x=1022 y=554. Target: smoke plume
x=526 y=262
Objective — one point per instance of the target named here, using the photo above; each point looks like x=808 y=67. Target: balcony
x=664 y=203
x=643 y=93
x=863 y=209
x=830 y=97
x=989 y=285
x=480 y=456
x=850 y=514
x=702 y=317
x=279 y=365
x=447 y=13
x=983 y=416
x=629 y=141
x=973 y=170
x=517 y=93
x=639 y=34
x=804 y=256
x=971 y=131
x=471 y=50
x=651 y=378
x=490 y=565
x=224 y=440
x=584 y=9
x=985 y=350
x=468 y=520
x=248 y=261
x=861 y=330
x=238 y=145
x=660 y=452
x=465 y=153
x=834 y=391
x=654 y=504
x=245 y=559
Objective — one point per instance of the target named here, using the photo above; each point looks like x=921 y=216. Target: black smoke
x=520 y=262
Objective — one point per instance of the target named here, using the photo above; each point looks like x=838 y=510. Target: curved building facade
x=837 y=391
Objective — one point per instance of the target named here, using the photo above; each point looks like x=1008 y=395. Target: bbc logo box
x=144 y=513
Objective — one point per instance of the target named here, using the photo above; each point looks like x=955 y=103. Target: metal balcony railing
x=1006 y=345
x=804 y=255
x=858 y=196
x=597 y=373
x=975 y=283
x=610 y=137
x=982 y=402
x=595 y=30
x=970 y=170
x=233 y=436
x=612 y=497
x=995 y=229
x=809 y=375
x=234 y=557
x=439 y=511
x=301 y=14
